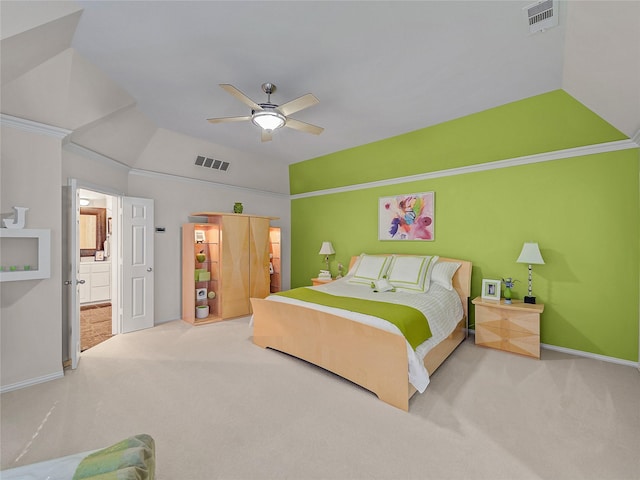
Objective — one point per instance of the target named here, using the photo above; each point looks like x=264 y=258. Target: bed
x=354 y=346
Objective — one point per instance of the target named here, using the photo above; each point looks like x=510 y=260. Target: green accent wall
x=584 y=212
x=544 y=123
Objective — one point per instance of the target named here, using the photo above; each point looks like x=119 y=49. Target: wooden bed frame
x=367 y=356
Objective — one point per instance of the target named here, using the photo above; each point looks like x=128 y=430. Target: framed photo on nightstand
x=490 y=289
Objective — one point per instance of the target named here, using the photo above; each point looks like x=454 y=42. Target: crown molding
x=93 y=155
x=636 y=138
x=481 y=167
x=34 y=127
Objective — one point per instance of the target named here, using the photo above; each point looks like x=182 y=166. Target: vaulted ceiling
x=379 y=69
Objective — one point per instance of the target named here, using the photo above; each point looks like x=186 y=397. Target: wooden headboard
x=461 y=280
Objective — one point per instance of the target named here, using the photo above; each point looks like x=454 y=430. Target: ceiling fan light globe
x=268 y=120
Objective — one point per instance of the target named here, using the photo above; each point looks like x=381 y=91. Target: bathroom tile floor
x=95 y=325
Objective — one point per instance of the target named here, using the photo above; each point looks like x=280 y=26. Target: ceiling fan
x=269 y=116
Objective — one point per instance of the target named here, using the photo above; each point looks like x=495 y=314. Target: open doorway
x=125 y=251
x=97 y=275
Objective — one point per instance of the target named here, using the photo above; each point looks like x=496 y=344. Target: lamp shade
x=530 y=254
x=326 y=249
x=268 y=119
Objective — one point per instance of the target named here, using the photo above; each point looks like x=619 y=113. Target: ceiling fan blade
x=228 y=119
x=298 y=104
x=266 y=136
x=240 y=96
x=303 y=127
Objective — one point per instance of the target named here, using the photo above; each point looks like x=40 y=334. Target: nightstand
x=511 y=327
x=321 y=281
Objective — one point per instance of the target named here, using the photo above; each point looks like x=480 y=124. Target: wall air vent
x=212 y=163
x=542 y=15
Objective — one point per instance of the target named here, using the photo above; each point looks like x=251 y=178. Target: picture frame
x=490 y=289
x=199 y=236
x=407 y=217
x=99 y=257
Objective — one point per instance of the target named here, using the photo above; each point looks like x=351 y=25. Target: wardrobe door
x=260 y=283
x=235 y=266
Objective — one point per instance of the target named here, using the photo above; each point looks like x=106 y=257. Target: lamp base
x=528 y=299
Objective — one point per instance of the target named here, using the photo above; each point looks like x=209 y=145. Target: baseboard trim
x=580 y=353
x=31 y=381
x=593 y=356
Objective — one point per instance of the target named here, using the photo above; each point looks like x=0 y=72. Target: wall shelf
x=17 y=253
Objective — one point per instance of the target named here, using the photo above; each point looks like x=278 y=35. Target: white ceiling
x=379 y=69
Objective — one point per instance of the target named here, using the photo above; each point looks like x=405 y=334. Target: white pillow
x=369 y=268
x=443 y=272
x=411 y=273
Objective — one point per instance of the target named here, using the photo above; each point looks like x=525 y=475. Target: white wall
x=175 y=153
x=602 y=70
x=31 y=325
x=93 y=169
x=175 y=199
x=66 y=91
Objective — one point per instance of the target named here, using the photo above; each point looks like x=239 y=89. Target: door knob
x=149 y=269
x=81 y=282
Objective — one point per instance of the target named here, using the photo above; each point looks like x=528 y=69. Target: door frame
x=116 y=264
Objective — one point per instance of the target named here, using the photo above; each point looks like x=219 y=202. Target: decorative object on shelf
x=99 y=255
x=37 y=269
x=509 y=283
x=490 y=289
x=197 y=272
x=237 y=207
x=406 y=217
x=324 y=275
x=211 y=295
x=340 y=268
x=201 y=293
x=204 y=276
x=18 y=220
x=326 y=249
x=201 y=257
x=199 y=235
x=530 y=254
x=202 y=311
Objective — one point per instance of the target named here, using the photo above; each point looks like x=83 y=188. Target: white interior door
x=137 y=263
x=71 y=272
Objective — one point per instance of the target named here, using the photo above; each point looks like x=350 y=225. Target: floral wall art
x=406 y=217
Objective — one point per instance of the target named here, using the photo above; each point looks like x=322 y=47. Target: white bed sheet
x=442 y=308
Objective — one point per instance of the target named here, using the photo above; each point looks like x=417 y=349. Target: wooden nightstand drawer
x=509 y=319
x=510 y=327
x=508 y=340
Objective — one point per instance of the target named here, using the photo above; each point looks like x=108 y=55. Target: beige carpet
x=221 y=408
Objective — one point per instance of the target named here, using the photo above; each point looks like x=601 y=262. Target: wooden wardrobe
x=229 y=256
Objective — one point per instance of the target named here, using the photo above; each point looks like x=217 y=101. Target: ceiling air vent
x=542 y=15
x=212 y=163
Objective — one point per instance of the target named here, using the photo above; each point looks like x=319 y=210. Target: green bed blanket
x=411 y=322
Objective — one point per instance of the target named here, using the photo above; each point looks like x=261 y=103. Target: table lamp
x=326 y=250
x=530 y=254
